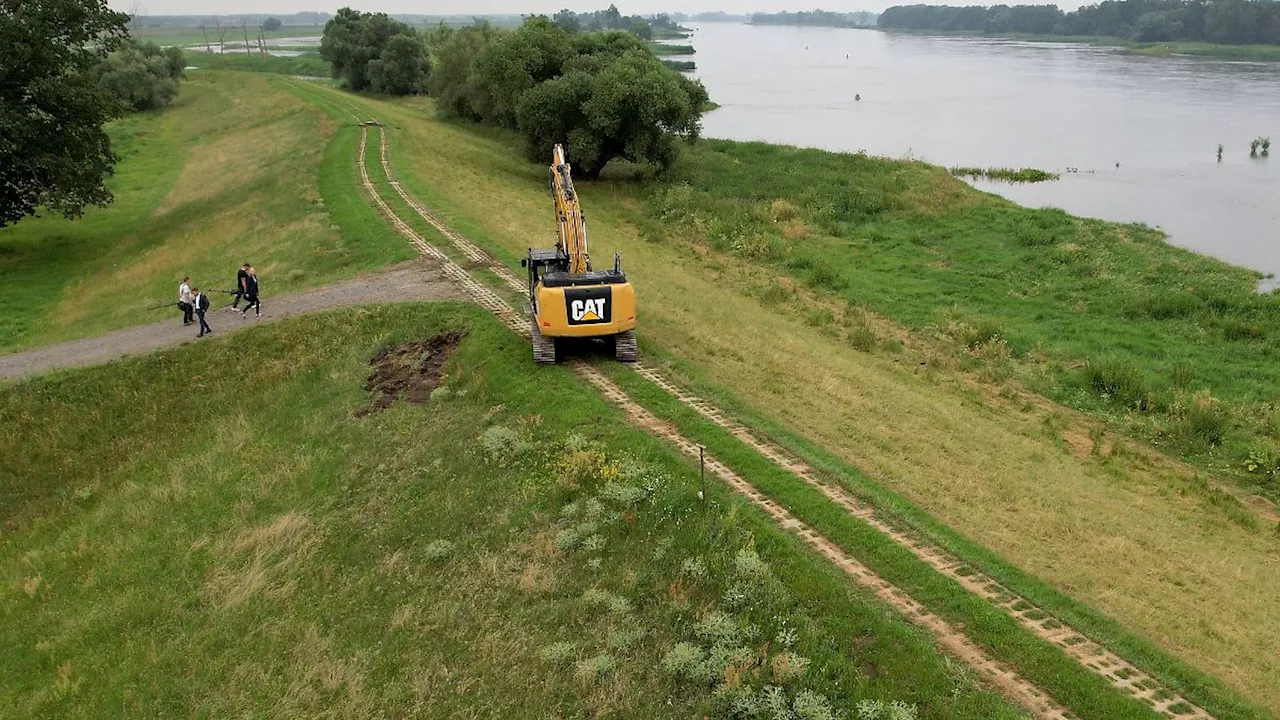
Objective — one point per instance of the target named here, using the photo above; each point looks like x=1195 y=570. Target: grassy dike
x=488 y=552
x=231 y=173
x=1123 y=532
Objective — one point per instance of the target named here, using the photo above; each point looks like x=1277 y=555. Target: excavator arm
x=571 y=224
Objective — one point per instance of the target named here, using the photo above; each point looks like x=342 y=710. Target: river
x=1134 y=137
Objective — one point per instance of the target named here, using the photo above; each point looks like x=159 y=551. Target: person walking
x=201 y=304
x=242 y=276
x=251 y=294
x=184 y=300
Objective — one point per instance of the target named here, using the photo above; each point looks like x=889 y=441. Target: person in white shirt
x=184 y=300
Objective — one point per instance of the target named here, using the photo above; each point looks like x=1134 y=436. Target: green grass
x=661 y=49
x=1059 y=290
x=1012 y=175
x=308 y=64
x=1001 y=636
x=226 y=175
x=291 y=557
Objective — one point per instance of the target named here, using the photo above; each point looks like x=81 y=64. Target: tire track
x=1006 y=679
x=1093 y=656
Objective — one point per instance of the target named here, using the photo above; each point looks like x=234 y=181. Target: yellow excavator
x=567 y=297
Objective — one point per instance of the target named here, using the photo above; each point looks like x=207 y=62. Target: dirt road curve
x=415 y=281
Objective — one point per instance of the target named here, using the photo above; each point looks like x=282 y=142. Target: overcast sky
x=479 y=7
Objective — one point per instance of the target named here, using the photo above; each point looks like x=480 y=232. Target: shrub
x=738 y=701
x=594 y=670
x=983 y=332
x=1203 y=422
x=504 y=446
x=438 y=550
x=1120 y=381
x=721 y=629
x=748 y=564
x=559 y=653
x=627 y=496
x=142 y=75
x=810 y=705
x=686 y=661
x=694 y=568
x=788 y=666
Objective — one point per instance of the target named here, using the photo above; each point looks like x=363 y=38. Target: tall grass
x=1011 y=175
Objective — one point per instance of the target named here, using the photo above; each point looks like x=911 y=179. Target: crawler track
x=1007 y=680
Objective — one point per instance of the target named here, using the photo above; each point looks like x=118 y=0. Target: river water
x=1140 y=133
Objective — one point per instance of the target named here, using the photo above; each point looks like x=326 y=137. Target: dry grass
x=1116 y=534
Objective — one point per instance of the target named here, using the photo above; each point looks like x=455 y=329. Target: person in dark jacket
x=251 y=294
x=242 y=276
x=201 y=304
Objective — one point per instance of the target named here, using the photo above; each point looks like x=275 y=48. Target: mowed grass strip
x=230 y=174
x=509 y=548
x=1132 y=539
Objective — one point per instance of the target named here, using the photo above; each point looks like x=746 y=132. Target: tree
x=402 y=67
x=513 y=63
x=353 y=39
x=272 y=24
x=142 y=75
x=633 y=108
x=568 y=20
x=53 y=150
x=453 y=71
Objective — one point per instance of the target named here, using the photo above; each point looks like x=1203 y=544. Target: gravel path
x=415 y=281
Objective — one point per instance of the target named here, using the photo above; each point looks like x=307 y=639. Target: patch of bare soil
x=410 y=371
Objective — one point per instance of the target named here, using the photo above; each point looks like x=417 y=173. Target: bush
x=1203 y=422
x=504 y=446
x=594 y=670
x=685 y=662
x=142 y=75
x=559 y=653
x=1119 y=381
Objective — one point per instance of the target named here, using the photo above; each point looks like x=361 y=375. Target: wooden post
x=207 y=47
x=702 y=473
x=244 y=27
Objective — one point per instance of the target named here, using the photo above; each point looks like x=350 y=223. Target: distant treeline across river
x=1235 y=22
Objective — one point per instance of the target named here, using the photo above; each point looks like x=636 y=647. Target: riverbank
x=1259 y=53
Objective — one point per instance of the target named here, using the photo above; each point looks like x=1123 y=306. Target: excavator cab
x=567 y=297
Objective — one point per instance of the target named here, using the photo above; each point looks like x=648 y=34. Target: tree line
x=1215 y=21
x=645 y=28
x=822 y=18
x=603 y=95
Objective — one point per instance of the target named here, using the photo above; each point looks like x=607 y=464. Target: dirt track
x=416 y=281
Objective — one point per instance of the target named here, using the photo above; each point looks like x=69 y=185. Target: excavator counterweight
x=567 y=297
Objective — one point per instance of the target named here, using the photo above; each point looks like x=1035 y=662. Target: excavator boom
x=571 y=225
